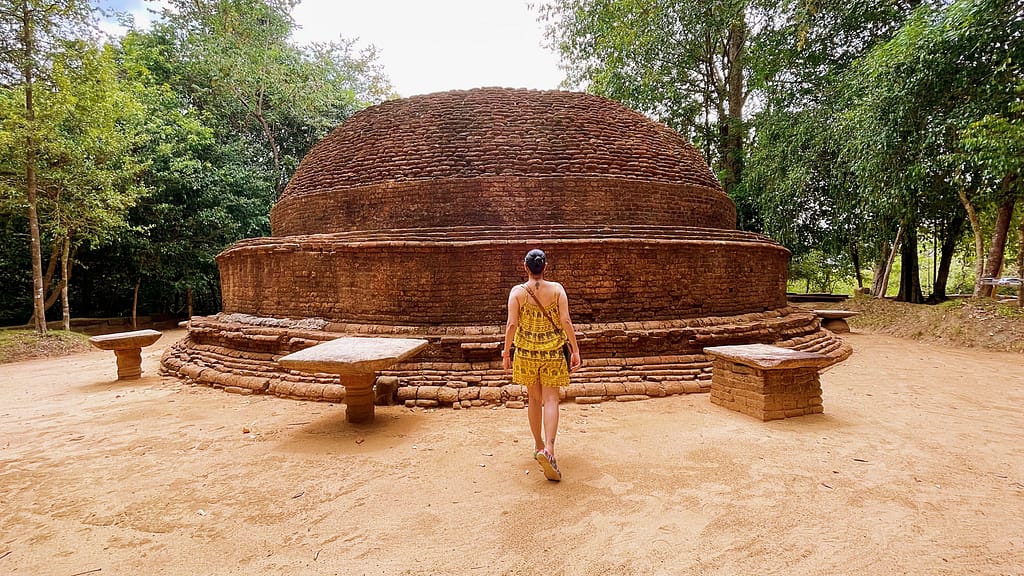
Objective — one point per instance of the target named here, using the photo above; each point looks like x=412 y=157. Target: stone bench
x=766 y=382
x=356 y=362
x=1010 y=281
x=835 y=320
x=127 y=347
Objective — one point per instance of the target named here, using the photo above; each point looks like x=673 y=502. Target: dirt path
x=916 y=467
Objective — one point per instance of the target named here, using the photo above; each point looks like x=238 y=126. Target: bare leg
x=550 y=417
x=533 y=411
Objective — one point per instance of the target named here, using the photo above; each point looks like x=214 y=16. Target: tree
x=211 y=163
x=996 y=144
x=259 y=81
x=63 y=131
x=911 y=99
x=30 y=32
x=798 y=177
x=682 y=62
x=86 y=127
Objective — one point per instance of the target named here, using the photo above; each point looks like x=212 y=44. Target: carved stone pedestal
x=127 y=347
x=355 y=361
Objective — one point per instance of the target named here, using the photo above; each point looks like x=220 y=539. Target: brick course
x=644 y=274
x=497 y=202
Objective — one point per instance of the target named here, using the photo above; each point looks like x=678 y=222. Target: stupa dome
x=500 y=157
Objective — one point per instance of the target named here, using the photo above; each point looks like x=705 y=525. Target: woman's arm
x=568 y=328
x=510 y=326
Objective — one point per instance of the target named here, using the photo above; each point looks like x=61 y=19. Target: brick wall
x=419 y=280
x=503 y=201
x=766 y=394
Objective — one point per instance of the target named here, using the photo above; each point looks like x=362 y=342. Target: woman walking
x=539 y=327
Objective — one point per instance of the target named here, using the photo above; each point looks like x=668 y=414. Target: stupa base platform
x=462 y=366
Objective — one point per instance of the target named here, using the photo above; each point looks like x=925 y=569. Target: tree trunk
x=855 y=259
x=256 y=109
x=882 y=284
x=49 y=299
x=1020 y=263
x=732 y=124
x=28 y=44
x=878 y=269
x=997 y=249
x=65 y=265
x=979 y=241
x=910 y=279
x=949 y=241
x=135 y=304
x=188 y=301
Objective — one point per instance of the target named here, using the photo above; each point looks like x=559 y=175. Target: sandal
x=549 y=466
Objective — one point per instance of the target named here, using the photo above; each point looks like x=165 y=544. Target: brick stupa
x=411 y=219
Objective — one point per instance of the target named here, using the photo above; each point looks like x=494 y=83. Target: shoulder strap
x=543 y=310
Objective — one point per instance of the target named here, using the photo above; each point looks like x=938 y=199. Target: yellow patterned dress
x=539 y=347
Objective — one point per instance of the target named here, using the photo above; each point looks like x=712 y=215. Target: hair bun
x=535 y=260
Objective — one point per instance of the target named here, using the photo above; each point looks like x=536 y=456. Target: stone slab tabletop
x=125 y=340
x=836 y=313
x=767 y=357
x=353 y=356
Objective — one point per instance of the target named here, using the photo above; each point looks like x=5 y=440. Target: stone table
x=766 y=382
x=835 y=320
x=127 y=347
x=355 y=361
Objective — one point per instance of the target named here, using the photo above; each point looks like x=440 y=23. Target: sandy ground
x=916 y=467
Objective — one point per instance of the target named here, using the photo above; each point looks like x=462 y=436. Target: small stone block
x=629 y=397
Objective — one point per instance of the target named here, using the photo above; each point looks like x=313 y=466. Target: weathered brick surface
x=611 y=274
x=766 y=394
x=502 y=202
x=475 y=136
x=217 y=353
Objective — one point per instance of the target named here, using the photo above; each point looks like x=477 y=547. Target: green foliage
x=807 y=197
x=995 y=143
x=915 y=96
x=88 y=176
x=67 y=132
x=816 y=271
x=681 y=62
x=214 y=108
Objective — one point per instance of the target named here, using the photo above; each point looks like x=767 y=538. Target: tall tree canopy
x=214 y=108
x=66 y=133
x=833 y=124
x=705 y=68
x=912 y=101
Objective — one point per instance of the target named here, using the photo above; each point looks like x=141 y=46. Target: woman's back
x=547 y=293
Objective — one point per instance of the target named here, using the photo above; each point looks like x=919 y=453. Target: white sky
x=435 y=45
x=428 y=45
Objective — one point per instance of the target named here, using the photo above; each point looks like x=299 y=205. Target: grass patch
x=17 y=345
x=965 y=323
